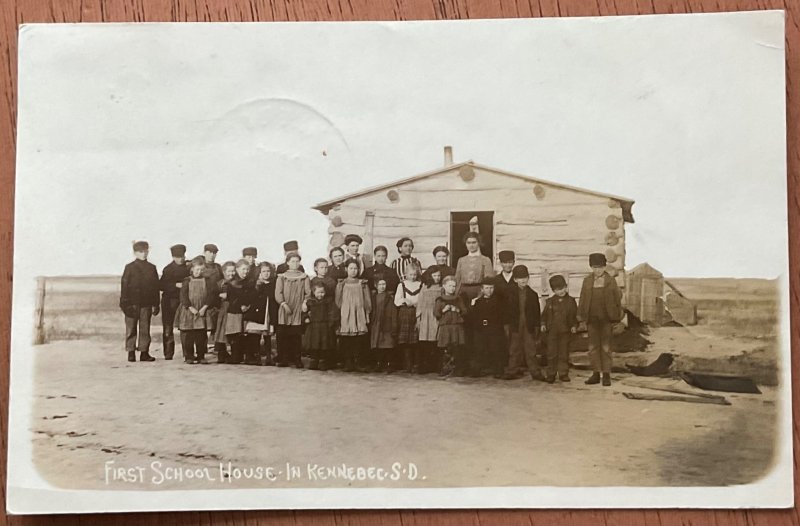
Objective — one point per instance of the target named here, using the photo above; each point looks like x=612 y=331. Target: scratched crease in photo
x=486 y=254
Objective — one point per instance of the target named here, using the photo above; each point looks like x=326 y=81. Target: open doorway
x=460 y=225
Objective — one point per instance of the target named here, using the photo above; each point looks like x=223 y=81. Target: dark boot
x=222 y=353
x=169 y=350
x=594 y=379
x=606 y=379
x=131 y=356
x=408 y=361
x=144 y=356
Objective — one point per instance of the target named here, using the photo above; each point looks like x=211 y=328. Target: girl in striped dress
x=406 y=299
x=405 y=246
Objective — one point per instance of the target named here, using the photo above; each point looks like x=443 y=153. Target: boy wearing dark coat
x=213 y=270
x=559 y=322
x=139 y=299
x=250 y=254
x=289 y=247
x=524 y=320
x=380 y=268
x=488 y=316
x=600 y=307
x=170 y=283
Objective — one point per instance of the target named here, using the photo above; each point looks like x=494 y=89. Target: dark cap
x=349 y=238
x=487 y=281
x=178 y=251
x=210 y=248
x=558 y=282
x=139 y=246
x=290 y=246
x=597 y=260
x=250 y=251
x=506 y=256
x=520 y=271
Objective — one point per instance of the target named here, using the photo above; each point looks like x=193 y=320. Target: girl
x=292 y=289
x=427 y=352
x=319 y=338
x=405 y=246
x=383 y=325
x=239 y=295
x=260 y=319
x=406 y=299
x=336 y=270
x=198 y=294
x=355 y=305
x=220 y=341
x=472 y=268
x=450 y=310
x=352 y=243
x=440 y=255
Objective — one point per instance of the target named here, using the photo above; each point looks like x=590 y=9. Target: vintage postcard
x=451 y=264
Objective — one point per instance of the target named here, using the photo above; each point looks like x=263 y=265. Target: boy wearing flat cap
x=487 y=315
x=559 y=323
x=524 y=321
x=600 y=307
x=139 y=299
x=289 y=247
x=250 y=254
x=213 y=270
x=171 y=281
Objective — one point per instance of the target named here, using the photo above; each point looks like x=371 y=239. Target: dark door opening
x=460 y=225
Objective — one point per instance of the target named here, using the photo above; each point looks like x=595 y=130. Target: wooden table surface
x=13 y=13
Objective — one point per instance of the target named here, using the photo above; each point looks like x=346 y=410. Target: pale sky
x=229 y=133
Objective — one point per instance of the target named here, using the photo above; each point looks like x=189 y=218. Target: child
x=450 y=311
x=406 y=299
x=213 y=270
x=355 y=305
x=559 y=322
x=352 y=243
x=250 y=254
x=336 y=270
x=381 y=268
x=427 y=352
x=260 y=319
x=198 y=295
x=292 y=289
x=219 y=337
x=171 y=280
x=239 y=294
x=383 y=324
x=440 y=255
x=139 y=301
x=405 y=246
x=322 y=278
x=319 y=338
x=600 y=307
x=487 y=314
x=290 y=247
x=504 y=281
x=524 y=320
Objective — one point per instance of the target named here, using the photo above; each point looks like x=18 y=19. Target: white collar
x=474 y=254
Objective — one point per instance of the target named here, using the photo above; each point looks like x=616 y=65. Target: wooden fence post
x=38 y=334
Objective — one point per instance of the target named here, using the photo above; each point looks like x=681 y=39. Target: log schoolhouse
x=551 y=227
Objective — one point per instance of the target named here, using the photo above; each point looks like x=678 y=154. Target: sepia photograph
x=451 y=264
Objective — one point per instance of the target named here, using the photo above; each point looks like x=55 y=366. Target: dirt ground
x=93 y=407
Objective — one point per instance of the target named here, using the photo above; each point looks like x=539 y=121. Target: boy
x=559 y=322
x=250 y=254
x=488 y=317
x=380 y=268
x=600 y=307
x=171 y=281
x=524 y=320
x=321 y=278
x=504 y=281
x=288 y=247
x=405 y=246
x=213 y=270
x=139 y=298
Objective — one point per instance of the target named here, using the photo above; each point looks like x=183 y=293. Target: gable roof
x=625 y=203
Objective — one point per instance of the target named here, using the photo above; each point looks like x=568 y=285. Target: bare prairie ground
x=93 y=412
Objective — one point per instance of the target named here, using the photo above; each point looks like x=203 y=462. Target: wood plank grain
x=25 y=11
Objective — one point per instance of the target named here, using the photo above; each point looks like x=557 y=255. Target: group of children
x=457 y=321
